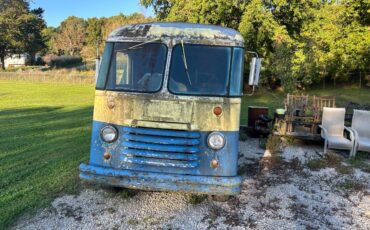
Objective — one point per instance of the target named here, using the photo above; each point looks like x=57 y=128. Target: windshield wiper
x=138 y=45
x=184 y=60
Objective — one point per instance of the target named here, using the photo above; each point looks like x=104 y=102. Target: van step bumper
x=160 y=181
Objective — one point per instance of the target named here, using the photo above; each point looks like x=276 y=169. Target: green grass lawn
x=45 y=134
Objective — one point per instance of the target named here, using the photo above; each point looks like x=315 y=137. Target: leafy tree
x=301 y=41
x=94 y=31
x=93 y=37
x=70 y=38
x=335 y=42
x=161 y=7
x=219 y=12
x=76 y=36
x=31 y=28
x=20 y=29
x=263 y=33
x=114 y=22
x=49 y=34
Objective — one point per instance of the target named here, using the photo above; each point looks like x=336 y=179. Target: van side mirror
x=254 y=73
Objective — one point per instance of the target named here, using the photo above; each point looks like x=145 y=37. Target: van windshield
x=200 y=70
x=137 y=67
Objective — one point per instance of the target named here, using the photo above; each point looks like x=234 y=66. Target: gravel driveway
x=281 y=195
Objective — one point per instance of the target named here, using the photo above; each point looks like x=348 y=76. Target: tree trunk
x=2 y=58
x=32 y=58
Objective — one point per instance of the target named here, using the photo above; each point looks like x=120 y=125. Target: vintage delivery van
x=167 y=108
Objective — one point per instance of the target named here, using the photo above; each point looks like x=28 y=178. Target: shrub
x=361 y=161
x=316 y=164
x=62 y=61
x=330 y=160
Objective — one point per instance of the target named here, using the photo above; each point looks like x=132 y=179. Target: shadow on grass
x=40 y=150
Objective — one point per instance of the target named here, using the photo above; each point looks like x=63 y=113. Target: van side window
x=104 y=67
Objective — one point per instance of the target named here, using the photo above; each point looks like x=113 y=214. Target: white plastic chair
x=332 y=130
x=361 y=128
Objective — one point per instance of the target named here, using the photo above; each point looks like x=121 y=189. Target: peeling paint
x=162 y=142
x=167 y=111
x=177 y=31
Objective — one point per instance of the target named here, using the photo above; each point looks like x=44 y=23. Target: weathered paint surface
x=152 y=155
x=162 y=143
x=167 y=111
x=187 y=32
x=161 y=181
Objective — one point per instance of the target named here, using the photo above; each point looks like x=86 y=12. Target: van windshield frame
x=137 y=67
x=213 y=62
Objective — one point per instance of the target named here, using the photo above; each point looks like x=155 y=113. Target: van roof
x=176 y=31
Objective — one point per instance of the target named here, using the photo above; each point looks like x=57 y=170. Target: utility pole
x=97 y=59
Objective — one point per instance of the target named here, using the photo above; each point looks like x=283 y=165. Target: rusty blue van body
x=167 y=109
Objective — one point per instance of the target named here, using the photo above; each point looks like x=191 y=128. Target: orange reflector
x=217 y=111
x=106 y=156
x=214 y=163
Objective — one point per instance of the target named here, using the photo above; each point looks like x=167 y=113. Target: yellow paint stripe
x=167 y=111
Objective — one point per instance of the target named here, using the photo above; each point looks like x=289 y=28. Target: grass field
x=45 y=133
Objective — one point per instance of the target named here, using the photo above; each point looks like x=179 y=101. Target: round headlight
x=109 y=134
x=216 y=140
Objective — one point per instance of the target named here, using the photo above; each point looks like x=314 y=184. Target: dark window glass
x=236 y=80
x=200 y=70
x=137 y=67
x=104 y=66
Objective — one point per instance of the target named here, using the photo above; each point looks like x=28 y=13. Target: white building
x=15 y=60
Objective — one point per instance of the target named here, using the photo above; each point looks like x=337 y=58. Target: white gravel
x=289 y=196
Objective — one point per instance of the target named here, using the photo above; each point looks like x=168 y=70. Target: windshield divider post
x=230 y=71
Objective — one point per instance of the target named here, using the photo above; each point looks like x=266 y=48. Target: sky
x=58 y=10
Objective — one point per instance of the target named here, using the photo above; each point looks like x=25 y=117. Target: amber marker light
x=106 y=156
x=217 y=110
x=214 y=163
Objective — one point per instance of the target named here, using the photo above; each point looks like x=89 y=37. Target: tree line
x=24 y=30
x=301 y=41
x=76 y=36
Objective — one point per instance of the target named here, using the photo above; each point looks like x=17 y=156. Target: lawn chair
x=332 y=130
x=361 y=129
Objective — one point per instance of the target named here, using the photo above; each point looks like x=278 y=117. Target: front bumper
x=160 y=181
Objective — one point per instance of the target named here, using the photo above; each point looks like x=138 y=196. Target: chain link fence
x=48 y=77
